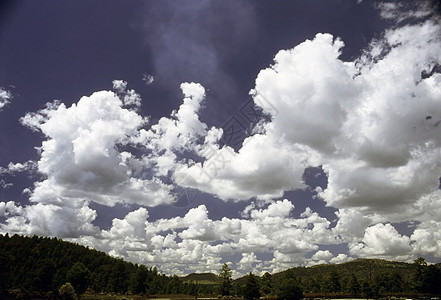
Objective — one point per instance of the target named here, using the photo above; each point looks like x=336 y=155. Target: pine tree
x=225 y=280
x=266 y=287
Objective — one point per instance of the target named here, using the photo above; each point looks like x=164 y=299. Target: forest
x=55 y=269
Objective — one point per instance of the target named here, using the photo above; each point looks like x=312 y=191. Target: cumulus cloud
x=197 y=243
x=69 y=221
x=129 y=97
x=383 y=240
x=81 y=156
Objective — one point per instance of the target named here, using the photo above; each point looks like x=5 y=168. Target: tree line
x=50 y=267
x=41 y=266
x=415 y=279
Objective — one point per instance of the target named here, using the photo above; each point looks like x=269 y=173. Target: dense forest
x=49 y=267
x=41 y=265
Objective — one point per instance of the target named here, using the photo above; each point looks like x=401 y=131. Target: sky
x=188 y=134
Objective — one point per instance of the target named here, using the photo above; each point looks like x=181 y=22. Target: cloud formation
x=372 y=125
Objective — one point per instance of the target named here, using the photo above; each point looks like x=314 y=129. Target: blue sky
x=189 y=134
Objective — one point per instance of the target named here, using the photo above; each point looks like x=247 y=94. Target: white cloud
x=148 y=79
x=183 y=129
x=247 y=262
x=197 y=243
x=326 y=257
x=5 y=98
x=19 y=167
x=312 y=91
x=400 y=12
x=426 y=239
x=382 y=240
x=262 y=168
x=69 y=221
x=80 y=156
x=322 y=256
x=128 y=97
x=340 y=258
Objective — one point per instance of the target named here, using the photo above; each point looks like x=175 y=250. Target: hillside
x=201 y=278
x=40 y=266
x=362 y=268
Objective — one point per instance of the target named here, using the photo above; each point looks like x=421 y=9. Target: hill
x=201 y=278
x=40 y=266
x=362 y=268
x=353 y=278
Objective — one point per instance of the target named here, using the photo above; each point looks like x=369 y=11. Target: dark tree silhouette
x=79 y=277
x=225 y=280
x=289 y=289
x=252 y=288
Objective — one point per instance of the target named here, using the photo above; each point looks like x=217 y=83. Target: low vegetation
x=52 y=268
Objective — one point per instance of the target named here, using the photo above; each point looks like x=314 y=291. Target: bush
x=67 y=292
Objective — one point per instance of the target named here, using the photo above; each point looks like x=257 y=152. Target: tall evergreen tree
x=225 y=280
x=419 y=264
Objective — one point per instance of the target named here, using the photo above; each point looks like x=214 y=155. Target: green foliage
x=201 y=278
x=252 y=287
x=367 y=290
x=67 y=292
x=354 y=285
x=79 y=277
x=225 y=280
x=289 y=289
x=432 y=280
x=266 y=284
x=40 y=265
x=138 y=280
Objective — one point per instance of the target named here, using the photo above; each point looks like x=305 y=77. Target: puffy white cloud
x=129 y=97
x=426 y=239
x=322 y=255
x=308 y=92
x=247 y=262
x=80 y=156
x=195 y=242
x=340 y=258
x=280 y=209
x=70 y=221
x=326 y=257
x=183 y=129
x=351 y=224
x=261 y=169
x=383 y=240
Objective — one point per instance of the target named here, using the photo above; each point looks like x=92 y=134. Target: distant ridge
x=201 y=278
x=363 y=268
